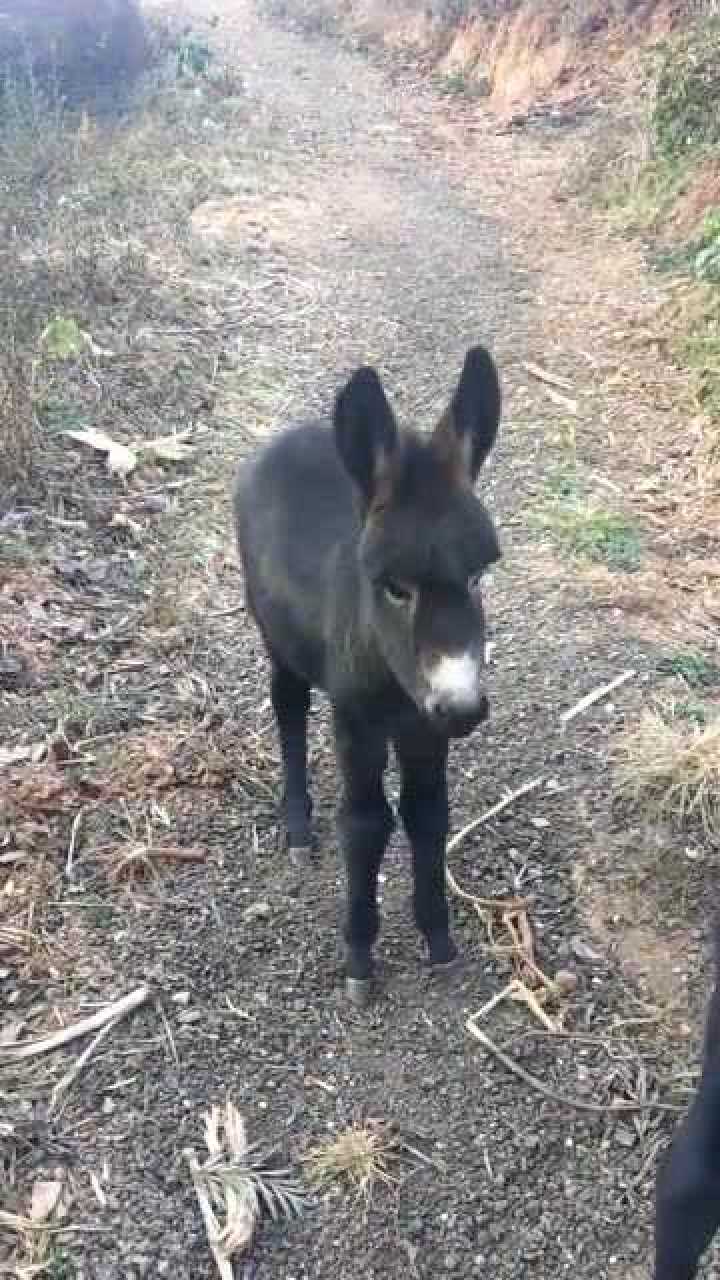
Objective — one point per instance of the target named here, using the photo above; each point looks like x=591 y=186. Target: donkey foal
x=687 y=1188
x=364 y=549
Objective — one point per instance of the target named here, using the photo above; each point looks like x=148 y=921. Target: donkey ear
x=366 y=433
x=467 y=430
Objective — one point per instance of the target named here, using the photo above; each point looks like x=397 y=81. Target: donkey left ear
x=467 y=430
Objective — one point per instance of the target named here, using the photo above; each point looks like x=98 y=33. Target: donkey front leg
x=291 y=701
x=424 y=811
x=366 y=824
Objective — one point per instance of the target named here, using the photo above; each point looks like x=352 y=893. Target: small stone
x=256 y=911
x=566 y=981
x=624 y=1136
x=583 y=951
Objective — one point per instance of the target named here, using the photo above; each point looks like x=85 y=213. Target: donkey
x=687 y=1194
x=363 y=550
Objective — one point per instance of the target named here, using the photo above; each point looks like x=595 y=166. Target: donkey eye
x=397 y=593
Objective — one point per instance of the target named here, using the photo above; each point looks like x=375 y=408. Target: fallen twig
x=566 y=1099
x=542 y=375
x=110 y=1014
x=564 y=401
x=77 y=1067
x=596 y=695
x=74 y=830
x=490 y=813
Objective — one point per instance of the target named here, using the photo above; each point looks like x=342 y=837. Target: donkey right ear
x=366 y=434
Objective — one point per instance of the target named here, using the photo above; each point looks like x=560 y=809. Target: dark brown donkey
x=364 y=549
x=687 y=1196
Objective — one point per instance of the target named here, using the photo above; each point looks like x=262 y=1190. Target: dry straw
x=671 y=769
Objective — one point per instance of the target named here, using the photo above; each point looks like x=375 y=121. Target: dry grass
x=671 y=769
x=362 y=1157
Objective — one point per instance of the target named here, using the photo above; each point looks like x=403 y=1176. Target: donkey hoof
x=443 y=956
x=358 y=991
x=446 y=968
x=301 y=855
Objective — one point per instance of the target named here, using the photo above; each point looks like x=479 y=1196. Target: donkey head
x=426 y=539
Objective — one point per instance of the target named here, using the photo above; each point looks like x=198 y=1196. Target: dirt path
x=343 y=227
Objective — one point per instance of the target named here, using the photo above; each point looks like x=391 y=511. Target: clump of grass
x=562 y=482
x=694 y=668
x=698 y=347
x=193 y=55
x=591 y=533
x=362 y=1156
x=459 y=85
x=669 y=767
x=687 y=90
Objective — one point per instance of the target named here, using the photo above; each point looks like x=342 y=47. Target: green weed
x=593 y=534
x=686 y=111
x=563 y=482
x=59 y=1266
x=694 y=668
x=193 y=56
x=460 y=85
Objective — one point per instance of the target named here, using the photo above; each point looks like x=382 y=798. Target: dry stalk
x=596 y=695
x=112 y=1013
x=513 y=911
x=233 y=1188
x=578 y=1104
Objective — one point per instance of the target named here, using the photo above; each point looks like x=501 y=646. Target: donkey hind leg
x=424 y=811
x=291 y=702
x=366 y=823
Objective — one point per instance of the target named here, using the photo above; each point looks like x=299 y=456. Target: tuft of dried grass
x=670 y=768
x=362 y=1156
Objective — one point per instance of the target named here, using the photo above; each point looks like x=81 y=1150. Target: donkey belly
x=293 y=509
x=289 y=634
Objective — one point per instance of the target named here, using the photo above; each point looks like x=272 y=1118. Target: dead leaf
x=45 y=1197
x=120 y=459
x=121 y=521
x=586 y=953
x=10 y=1031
